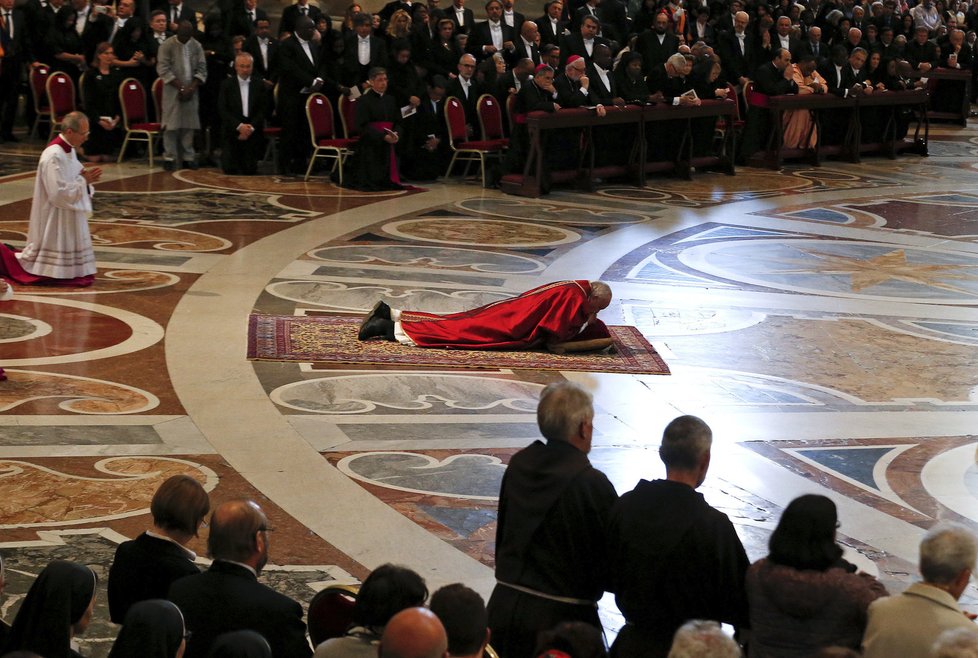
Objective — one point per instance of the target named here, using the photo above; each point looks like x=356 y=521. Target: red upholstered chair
x=38 y=77
x=491 y=118
x=157 y=92
x=735 y=122
x=348 y=117
x=61 y=93
x=331 y=611
x=754 y=98
x=464 y=150
x=132 y=100
x=272 y=133
x=325 y=144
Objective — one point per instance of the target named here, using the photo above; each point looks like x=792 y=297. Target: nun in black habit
x=57 y=607
x=152 y=629
x=240 y=644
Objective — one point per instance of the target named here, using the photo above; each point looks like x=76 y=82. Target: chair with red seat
x=331 y=611
x=156 y=91
x=132 y=100
x=735 y=122
x=491 y=118
x=60 y=90
x=322 y=132
x=348 y=117
x=273 y=132
x=38 y=77
x=464 y=150
x=510 y=110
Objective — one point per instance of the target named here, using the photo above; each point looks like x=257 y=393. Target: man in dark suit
x=582 y=43
x=492 y=35
x=424 y=149
x=243 y=22
x=774 y=78
x=657 y=45
x=510 y=83
x=782 y=37
x=176 y=11
x=362 y=52
x=462 y=16
x=300 y=73
x=813 y=46
x=228 y=597
x=700 y=28
x=842 y=78
x=512 y=17
x=526 y=43
x=13 y=40
x=466 y=89
x=292 y=13
x=264 y=50
x=736 y=50
x=551 y=26
x=614 y=20
x=242 y=106
x=922 y=53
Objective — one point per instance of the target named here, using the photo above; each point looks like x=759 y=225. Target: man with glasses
x=467 y=90
x=59 y=245
x=228 y=597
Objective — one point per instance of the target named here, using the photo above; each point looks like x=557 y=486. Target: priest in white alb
x=59 y=246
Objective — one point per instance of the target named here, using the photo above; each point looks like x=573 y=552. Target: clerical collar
x=62 y=142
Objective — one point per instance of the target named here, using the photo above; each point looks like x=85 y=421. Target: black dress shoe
x=381 y=310
x=376 y=328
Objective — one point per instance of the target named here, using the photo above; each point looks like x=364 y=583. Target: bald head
x=238 y=533
x=414 y=633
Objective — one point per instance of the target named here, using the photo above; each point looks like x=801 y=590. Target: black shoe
x=191 y=164
x=169 y=165
x=376 y=328
x=380 y=310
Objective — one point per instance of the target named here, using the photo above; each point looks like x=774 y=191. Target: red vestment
x=555 y=312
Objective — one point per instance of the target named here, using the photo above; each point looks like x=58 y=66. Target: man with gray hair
x=700 y=638
x=907 y=624
x=672 y=556
x=553 y=512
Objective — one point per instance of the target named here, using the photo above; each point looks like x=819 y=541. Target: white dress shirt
x=496 y=32
x=509 y=17
x=243 y=89
x=307 y=49
x=363 y=50
x=459 y=14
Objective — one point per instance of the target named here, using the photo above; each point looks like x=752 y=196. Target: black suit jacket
x=521 y=51
x=232 y=114
x=291 y=14
x=569 y=93
x=240 y=22
x=769 y=80
x=518 y=20
x=295 y=73
x=352 y=73
x=454 y=88
x=144 y=568
x=480 y=36
x=17 y=48
x=735 y=63
x=965 y=57
x=269 y=71
x=692 y=34
x=806 y=47
x=653 y=53
x=227 y=597
x=614 y=20
x=184 y=14
x=547 y=34
x=598 y=92
x=467 y=14
x=573 y=44
x=918 y=54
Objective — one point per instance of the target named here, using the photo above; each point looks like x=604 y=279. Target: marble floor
x=822 y=320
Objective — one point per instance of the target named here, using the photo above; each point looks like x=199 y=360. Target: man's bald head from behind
x=414 y=633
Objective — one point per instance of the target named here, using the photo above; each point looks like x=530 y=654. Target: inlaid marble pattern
x=821 y=319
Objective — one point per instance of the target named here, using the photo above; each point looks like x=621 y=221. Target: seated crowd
x=229 y=76
x=674 y=563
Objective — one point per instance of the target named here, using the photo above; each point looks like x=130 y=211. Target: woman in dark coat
x=66 y=45
x=804 y=596
x=101 y=96
x=57 y=607
x=629 y=80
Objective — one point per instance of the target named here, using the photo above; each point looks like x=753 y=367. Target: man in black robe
x=553 y=511
x=373 y=165
x=672 y=556
x=774 y=78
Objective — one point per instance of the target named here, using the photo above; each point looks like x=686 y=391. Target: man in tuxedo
x=243 y=22
x=590 y=8
x=582 y=43
x=526 y=43
x=599 y=72
x=242 y=106
x=612 y=144
x=292 y=14
x=551 y=26
x=782 y=37
x=466 y=89
x=264 y=50
x=13 y=41
x=228 y=596
x=362 y=52
x=459 y=14
x=843 y=77
x=512 y=17
x=492 y=35
x=424 y=149
x=300 y=74
x=736 y=50
x=657 y=45
x=510 y=83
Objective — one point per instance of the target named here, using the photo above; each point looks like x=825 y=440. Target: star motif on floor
x=869 y=272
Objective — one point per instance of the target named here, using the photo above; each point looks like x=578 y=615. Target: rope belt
x=550 y=597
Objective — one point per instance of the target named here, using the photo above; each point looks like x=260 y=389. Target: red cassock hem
x=551 y=313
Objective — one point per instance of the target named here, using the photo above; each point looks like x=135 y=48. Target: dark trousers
x=516 y=619
x=9 y=93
